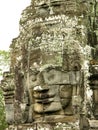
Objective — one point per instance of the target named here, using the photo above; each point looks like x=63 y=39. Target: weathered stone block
x=9 y=109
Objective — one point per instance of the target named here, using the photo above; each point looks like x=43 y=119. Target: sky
x=10 y=13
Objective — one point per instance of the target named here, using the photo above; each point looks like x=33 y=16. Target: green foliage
x=4 y=61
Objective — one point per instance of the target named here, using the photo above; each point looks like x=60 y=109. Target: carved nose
x=40 y=88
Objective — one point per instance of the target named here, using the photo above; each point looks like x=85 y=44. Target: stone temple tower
x=53 y=77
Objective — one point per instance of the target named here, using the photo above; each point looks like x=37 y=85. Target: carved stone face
x=52 y=90
x=56 y=43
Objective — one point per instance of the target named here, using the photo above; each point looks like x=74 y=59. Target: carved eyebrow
x=54 y=3
x=57 y=3
x=44 y=5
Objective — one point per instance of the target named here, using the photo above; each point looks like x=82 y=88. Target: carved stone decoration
x=50 y=61
x=8 y=86
x=94 y=83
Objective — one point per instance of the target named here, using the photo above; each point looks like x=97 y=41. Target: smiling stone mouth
x=45 y=100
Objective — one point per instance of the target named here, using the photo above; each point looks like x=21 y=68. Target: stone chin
x=46 y=108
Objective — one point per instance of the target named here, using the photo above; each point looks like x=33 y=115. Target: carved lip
x=44 y=97
x=44 y=101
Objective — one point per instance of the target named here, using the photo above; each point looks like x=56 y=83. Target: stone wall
x=54 y=67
